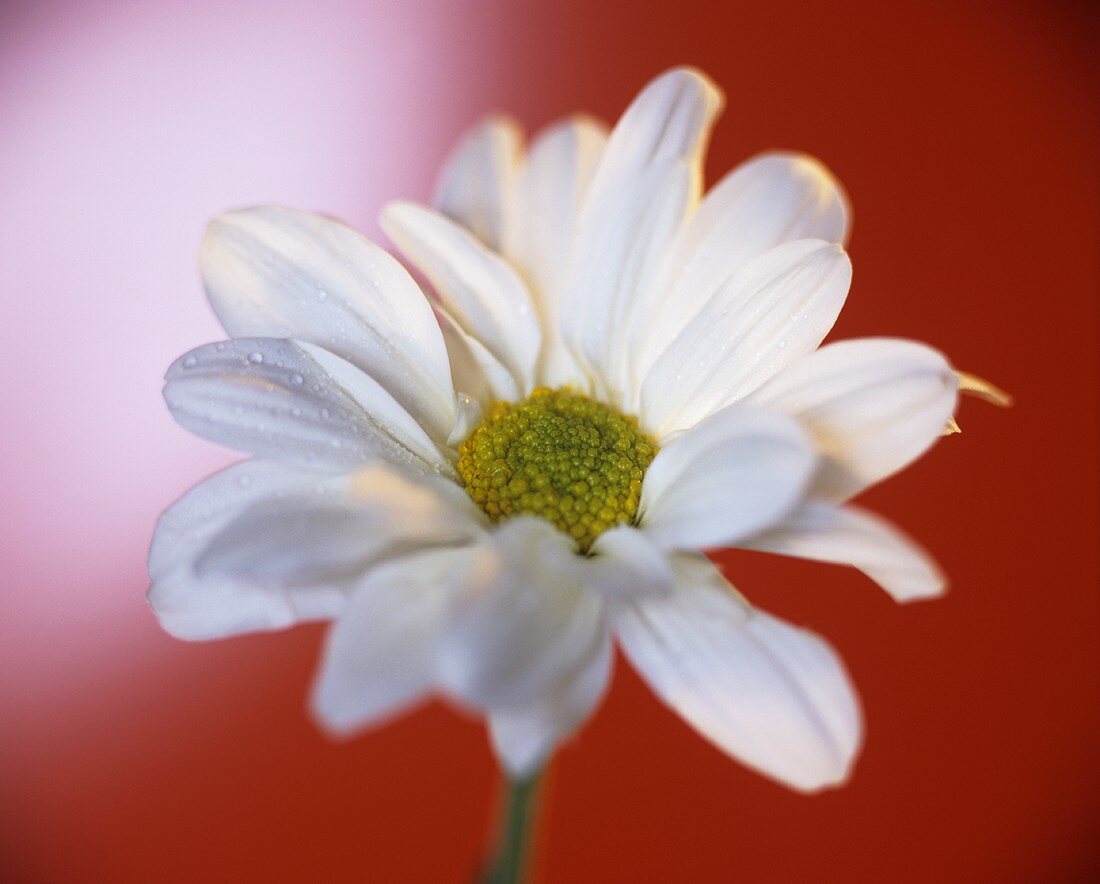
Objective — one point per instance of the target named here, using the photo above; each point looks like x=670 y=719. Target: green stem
x=517 y=823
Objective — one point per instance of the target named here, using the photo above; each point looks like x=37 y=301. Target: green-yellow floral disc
x=561 y=456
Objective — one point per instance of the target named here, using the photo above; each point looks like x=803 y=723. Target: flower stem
x=517 y=823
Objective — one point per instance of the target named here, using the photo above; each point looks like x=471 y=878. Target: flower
x=486 y=491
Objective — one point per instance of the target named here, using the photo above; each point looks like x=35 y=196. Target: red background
x=967 y=138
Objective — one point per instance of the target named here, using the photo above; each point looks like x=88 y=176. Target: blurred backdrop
x=967 y=137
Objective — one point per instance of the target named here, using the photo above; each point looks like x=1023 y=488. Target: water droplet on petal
x=296 y=379
x=256 y=357
x=190 y=362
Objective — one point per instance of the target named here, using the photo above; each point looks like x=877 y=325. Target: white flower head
x=486 y=491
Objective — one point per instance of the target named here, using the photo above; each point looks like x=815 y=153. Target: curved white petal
x=852 y=536
x=873 y=405
x=731 y=476
x=278 y=273
x=469 y=377
x=295 y=403
x=305 y=539
x=775 y=310
x=379 y=658
x=476 y=180
x=773 y=696
x=478 y=288
x=627 y=562
x=549 y=190
x=525 y=737
x=479 y=373
x=769 y=200
x=647 y=180
x=191 y=607
x=523 y=620
x=262 y=546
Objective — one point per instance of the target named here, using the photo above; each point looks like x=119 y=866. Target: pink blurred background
x=125 y=126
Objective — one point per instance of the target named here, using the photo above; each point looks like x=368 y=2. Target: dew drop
x=190 y=362
x=296 y=379
x=256 y=357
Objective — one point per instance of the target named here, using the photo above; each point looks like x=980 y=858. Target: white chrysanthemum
x=486 y=492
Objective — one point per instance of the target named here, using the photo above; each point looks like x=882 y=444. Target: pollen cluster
x=573 y=461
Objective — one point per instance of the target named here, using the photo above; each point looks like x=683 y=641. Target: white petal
x=873 y=405
x=307 y=539
x=260 y=546
x=523 y=621
x=476 y=180
x=524 y=738
x=774 y=696
x=379 y=658
x=278 y=273
x=295 y=403
x=775 y=310
x=469 y=379
x=627 y=562
x=647 y=180
x=770 y=200
x=479 y=373
x=851 y=536
x=478 y=288
x=550 y=188
x=670 y=119
x=191 y=607
x=732 y=475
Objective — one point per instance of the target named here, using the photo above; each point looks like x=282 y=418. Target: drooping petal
x=772 y=199
x=873 y=405
x=647 y=180
x=852 y=536
x=477 y=178
x=379 y=658
x=278 y=273
x=307 y=539
x=733 y=475
x=478 y=287
x=523 y=621
x=525 y=737
x=549 y=190
x=262 y=546
x=775 y=310
x=190 y=607
x=625 y=561
x=772 y=695
x=295 y=403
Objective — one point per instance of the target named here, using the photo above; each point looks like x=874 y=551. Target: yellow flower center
x=577 y=463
